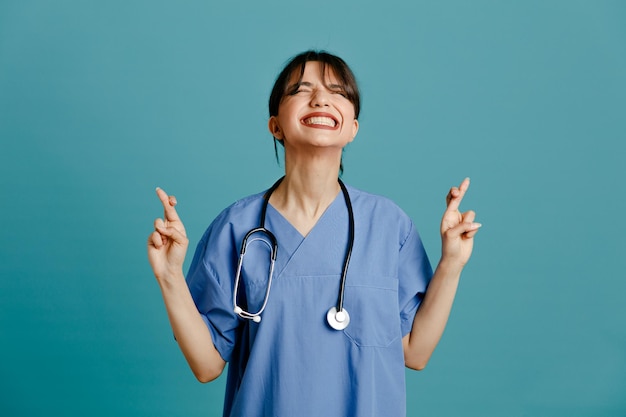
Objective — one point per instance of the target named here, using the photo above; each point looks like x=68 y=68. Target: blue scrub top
x=293 y=362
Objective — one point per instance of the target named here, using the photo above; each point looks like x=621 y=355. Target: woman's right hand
x=167 y=245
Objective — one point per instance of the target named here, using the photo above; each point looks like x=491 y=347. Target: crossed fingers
x=170 y=226
x=456 y=194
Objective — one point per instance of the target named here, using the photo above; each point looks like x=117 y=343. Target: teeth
x=325 y=121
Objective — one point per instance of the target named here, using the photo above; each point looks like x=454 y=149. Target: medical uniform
x=293 y=363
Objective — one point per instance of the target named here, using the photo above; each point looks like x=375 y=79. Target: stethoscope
x=337 y=316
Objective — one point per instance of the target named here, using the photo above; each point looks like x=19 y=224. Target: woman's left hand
x=457 y=229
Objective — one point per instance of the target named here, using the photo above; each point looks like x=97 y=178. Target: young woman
x=336 y=294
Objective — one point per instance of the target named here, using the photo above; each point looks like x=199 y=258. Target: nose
x=319 y=98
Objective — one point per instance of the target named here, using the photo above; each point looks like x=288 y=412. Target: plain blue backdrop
x=100 y=102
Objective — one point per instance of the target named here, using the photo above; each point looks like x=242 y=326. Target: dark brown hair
x=344 y=75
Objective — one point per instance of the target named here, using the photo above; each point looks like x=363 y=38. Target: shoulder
x=363 y=201
x=242 y=214
x=380 y=213
x=242 y=206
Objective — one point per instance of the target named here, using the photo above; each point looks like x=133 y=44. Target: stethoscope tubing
x=273 y=252
x=335 y=312
x=346 y=261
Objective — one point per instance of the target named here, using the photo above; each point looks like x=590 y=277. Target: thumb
x=464 y=229
x=172 y=233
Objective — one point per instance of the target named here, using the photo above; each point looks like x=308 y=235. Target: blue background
x=100 y=102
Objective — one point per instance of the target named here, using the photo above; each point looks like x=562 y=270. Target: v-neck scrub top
x=293 y=363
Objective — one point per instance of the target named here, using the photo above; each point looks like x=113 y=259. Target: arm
x=457 y=236
x=167 y=247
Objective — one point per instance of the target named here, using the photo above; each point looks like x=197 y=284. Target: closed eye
x=337 y=89
x=303 y=87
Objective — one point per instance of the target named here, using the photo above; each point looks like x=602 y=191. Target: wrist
x=450 y=267
x=171 y=279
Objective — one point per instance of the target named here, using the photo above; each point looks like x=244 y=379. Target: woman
x=326 y=329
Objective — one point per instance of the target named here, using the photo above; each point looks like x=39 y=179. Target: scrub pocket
x=372 y=303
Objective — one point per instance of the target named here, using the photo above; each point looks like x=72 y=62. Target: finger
x=456 y=195
x=168 y=202
x=171 y=233
x=469 y=216
x=452 y=220
x=453 y=193
x=159 y=223
x=465 y=229
x=155 y=240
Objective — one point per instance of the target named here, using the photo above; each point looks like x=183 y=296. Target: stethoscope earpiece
x=245 y=315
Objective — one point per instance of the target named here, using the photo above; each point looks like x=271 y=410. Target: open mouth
x=318 y=120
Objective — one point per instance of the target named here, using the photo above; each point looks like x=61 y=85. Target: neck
x=307 y=191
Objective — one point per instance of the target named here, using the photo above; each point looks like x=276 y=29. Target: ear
x=355 y=129
x=274 y=128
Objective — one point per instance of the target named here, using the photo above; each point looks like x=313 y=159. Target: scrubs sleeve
x=414 y=274
x=210 y=281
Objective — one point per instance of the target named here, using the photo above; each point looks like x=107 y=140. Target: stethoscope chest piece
x=338 y=320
